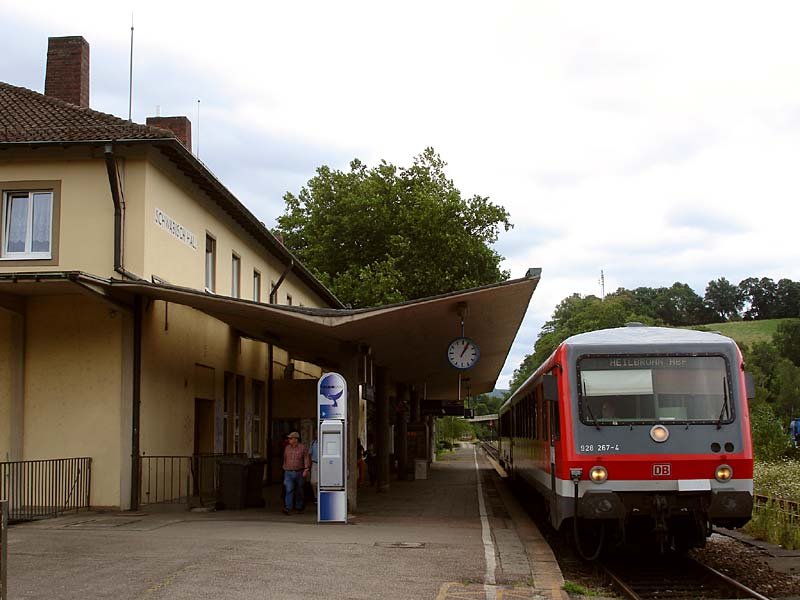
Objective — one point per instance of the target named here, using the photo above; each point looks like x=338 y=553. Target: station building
x=148 y=318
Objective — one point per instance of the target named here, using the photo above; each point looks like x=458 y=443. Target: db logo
x=662 y=470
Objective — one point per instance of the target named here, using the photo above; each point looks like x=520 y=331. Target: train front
x=660 y=443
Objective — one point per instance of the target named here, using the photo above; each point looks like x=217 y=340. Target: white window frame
x=256 y=286
x=27 y=254
x=211 y=263
x=236 y=275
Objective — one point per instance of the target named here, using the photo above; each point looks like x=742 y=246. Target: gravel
x=747 y=564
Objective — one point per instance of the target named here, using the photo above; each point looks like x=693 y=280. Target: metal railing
x=3 y=549
x=36 y=489
x=165 y=479
x=180 y=479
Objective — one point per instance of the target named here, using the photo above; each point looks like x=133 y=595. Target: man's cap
x=294 y=434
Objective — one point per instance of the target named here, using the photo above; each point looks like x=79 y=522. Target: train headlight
x=659 y=433
x=723 y=473
x=598 y=474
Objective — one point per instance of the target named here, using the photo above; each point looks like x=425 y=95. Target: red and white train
x=643 y=432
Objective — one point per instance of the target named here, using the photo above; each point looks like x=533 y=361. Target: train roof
x=640 y=334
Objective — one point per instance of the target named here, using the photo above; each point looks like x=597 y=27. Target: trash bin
x=232 y=483
x=420 y=469
x=255 y=482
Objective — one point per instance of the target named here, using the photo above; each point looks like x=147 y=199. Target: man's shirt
x=296 y=459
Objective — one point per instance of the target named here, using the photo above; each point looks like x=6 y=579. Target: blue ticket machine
x=332 y=449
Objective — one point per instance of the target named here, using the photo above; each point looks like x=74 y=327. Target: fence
x=36 y=489
x=180 y=479
x=3 y=550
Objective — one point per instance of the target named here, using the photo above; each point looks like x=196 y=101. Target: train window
x=642 y=389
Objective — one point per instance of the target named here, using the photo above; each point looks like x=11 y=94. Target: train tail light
x=598 y=474
x=723 y=473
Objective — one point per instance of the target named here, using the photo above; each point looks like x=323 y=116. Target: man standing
x=296 y=465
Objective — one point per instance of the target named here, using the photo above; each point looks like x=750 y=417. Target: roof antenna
x=130 y=77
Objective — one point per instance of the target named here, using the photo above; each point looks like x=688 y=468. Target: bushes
x=769 y=439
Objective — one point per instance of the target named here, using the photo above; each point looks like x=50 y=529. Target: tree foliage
x=387 y=234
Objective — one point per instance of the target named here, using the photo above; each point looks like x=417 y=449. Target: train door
x=550 y=389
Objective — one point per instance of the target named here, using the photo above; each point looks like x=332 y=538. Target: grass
x=745 y=332
x=780 y=479
x=580 y=590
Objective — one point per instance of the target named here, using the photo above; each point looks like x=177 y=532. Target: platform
x=434 y=539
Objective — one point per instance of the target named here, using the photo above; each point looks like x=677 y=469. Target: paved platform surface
x=434 y=539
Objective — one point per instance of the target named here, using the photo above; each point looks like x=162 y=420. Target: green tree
x=760 y=295
x=769 y=439
x=578 y=314
x=787 y=297
x=724 y=299
x=449 y=429
x=787 y=340
x=387 y=234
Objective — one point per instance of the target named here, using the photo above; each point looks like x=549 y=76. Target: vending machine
x=332 y=448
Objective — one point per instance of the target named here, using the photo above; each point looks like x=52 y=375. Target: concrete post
x=415 y=408
x=350 y=368
x=402 y=431
x=382 y=431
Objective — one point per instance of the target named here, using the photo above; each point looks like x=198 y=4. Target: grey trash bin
x=232 y=483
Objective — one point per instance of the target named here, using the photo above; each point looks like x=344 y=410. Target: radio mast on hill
x=602 y=282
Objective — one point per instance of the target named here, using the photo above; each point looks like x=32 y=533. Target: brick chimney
x=180 y=126
x=67 y=76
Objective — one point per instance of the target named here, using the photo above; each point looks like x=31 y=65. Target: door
x=203 y=462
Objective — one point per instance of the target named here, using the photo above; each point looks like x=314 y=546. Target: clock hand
x=464 y=350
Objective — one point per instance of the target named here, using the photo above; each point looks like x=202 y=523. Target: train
x=635 y=434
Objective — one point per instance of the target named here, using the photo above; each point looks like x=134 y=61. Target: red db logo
x=662 y=470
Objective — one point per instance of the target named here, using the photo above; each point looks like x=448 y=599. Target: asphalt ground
x=435 y=538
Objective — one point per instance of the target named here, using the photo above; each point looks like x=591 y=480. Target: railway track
x=673 y=578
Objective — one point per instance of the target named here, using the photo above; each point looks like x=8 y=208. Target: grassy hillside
x=745 y=332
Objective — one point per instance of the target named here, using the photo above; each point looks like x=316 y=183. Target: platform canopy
x=410 y=339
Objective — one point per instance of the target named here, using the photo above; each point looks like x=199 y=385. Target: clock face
x=463 y=353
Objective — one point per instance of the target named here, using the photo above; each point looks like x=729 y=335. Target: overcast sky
x=655 y=142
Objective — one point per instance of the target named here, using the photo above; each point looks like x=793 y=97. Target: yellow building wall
x=175 y=340
x=5 y=385
x=86 y=224
x=179 y=263
x=73 y=389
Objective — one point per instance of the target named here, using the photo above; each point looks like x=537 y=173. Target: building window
x=256 y=286
x=227 y=402
x=236 y=275
x=289 y=299
x=257 y=446
x=27 y=224
x=211 y=263
x=238 y=416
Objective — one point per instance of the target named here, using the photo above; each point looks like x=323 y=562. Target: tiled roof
x=28 y=116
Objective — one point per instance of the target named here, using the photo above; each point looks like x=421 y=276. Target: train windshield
x=620 y=390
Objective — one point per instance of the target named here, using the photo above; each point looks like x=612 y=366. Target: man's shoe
x=286 y=511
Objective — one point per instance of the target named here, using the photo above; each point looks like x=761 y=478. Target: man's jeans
x=293 y=482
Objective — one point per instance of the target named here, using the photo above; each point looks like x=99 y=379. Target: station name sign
x=175 y=229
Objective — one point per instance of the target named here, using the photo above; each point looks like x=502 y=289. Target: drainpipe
x=273 y=296
x=119 y=267
x=119 y=212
